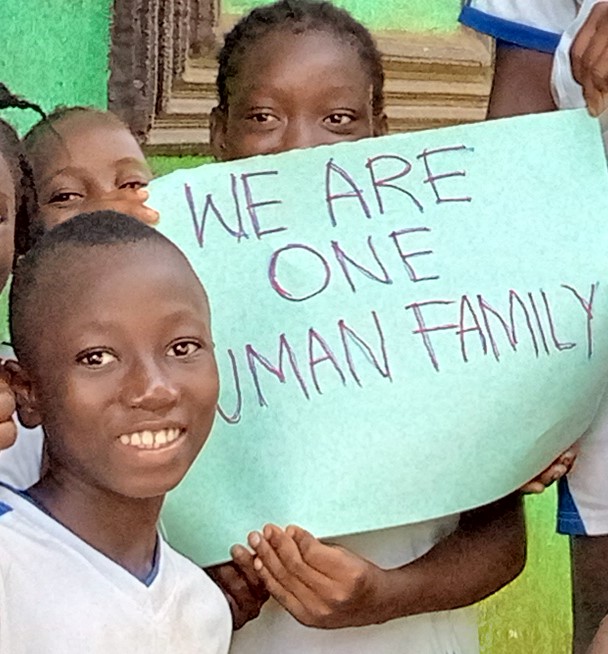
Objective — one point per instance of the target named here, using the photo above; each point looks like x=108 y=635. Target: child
x=299 y=74
x=17 y=208
x=575 y=36
x=86 y=159
x=126 y=397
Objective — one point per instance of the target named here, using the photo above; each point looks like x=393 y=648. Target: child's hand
x=129 y=201
x=8 y=430
x=241 y=585
x=589 y=58
x=323 y=586
x=559 y=468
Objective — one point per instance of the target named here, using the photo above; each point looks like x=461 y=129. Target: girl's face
x=295 y=91
x=7 y=221
x=88 y=162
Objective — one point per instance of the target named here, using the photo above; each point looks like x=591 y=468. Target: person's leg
x=589 y=587
x=522 y=82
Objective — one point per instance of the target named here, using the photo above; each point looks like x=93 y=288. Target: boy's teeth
x=150 y=440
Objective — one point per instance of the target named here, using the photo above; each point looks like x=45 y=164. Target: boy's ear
x=217 y=133
x=380 y=125
x=25 y=394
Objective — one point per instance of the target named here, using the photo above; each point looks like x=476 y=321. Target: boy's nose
x=150 y=388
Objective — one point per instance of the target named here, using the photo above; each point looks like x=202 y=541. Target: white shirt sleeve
x=533 y=24
x=567 y=93
x=20 y=464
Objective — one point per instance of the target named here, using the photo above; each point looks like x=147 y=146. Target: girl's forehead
x=292 y=44
x=313 y=59
x=76 y=127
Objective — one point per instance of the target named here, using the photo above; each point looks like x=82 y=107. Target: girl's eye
x=184 y=349
x=263 y=117
x=96 y=358
x=65 y=196
x=135 y=184
x=340 y=119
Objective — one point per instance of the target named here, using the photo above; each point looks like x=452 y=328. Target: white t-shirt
x=583 y=494
x=276 y=632
x=20 y=464
x=59 y=595
x=450 y=632
x=545 y=25
x=534 y=24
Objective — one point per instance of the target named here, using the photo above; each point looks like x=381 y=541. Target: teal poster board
x=406 y=327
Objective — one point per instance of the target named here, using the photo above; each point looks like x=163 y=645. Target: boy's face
x=295 y=91
x=124 y=378
x=87 y=163
x=7 y=221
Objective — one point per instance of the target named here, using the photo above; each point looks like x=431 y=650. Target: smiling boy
x=112 y=331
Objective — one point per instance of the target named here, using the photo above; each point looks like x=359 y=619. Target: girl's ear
x=217 y=133
x=25 y=395
x=380 y=125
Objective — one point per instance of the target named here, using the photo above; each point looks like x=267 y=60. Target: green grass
x=533 y=614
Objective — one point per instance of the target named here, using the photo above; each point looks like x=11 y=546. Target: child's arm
x=522 y=82
x=326 y=586
x=241 y=585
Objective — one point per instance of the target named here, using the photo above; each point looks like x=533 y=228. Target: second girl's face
x=7 y=221
x=295 y=91
x=87 y=163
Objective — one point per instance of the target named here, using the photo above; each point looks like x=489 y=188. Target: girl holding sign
x=294 y=75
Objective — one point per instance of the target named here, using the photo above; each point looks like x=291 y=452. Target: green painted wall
x=54 y=52
x=411 y=15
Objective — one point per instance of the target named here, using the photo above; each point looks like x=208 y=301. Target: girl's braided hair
x=12 y=151
x=298 y=16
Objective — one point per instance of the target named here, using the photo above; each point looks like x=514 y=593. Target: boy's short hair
x=99 y=228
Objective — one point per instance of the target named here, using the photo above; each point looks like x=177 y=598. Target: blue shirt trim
x=519 y=34
x=147 y=581
x=155 y=565
x=569 y=520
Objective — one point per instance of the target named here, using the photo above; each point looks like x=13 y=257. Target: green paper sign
x=406 y=327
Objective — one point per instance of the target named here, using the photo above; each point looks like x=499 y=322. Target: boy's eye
x=64 y=196
x=184 y=349
x=96 y=358
x=135 y=184
x=340 y=119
